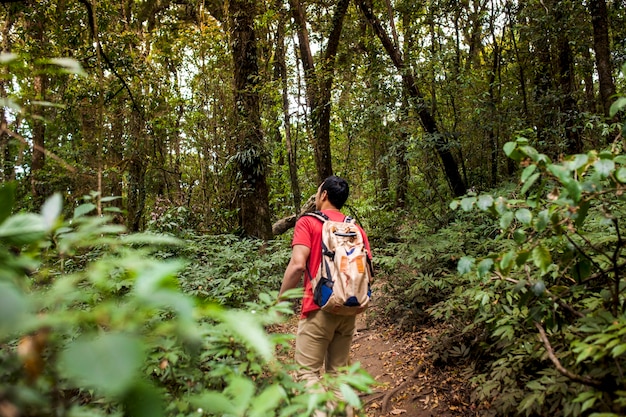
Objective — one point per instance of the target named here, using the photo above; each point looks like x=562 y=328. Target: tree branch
x=559 y=367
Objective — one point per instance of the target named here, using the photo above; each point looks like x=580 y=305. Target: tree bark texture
x=451 y=170
x=251 y=156
x=601 y=46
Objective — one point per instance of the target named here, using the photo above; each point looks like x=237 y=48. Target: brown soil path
x=410 y=385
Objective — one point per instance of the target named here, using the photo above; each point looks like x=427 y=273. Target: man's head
x=335 y=190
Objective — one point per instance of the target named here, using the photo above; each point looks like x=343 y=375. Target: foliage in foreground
x=530 y=282
x=94 y=322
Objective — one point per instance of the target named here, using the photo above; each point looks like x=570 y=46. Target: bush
x=93 y=322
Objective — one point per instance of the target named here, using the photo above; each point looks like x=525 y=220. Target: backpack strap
x=318 y=215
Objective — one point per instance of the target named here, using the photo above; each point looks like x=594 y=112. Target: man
x=321 y=337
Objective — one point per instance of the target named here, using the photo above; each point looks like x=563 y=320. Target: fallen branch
x=286 y=223
x=389 y=394
x=559 y=367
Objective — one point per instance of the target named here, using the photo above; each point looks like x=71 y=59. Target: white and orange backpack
x=342 y=282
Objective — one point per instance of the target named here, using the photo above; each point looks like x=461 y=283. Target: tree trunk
x=251 y=155
x=281 y=69
x=319 y=83
x=451 y=170
x=601 y=46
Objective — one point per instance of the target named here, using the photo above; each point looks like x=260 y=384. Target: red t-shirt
x=308 y=232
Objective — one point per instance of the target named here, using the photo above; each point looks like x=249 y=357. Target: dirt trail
x=410 y=385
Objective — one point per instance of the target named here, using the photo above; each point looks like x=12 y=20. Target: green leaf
x=7 y=200
x=467 y=203
x=560 y=172
x=530 y=152
x=69 y=65
x=542 y=221
x=574 y=190
x=350 y=396
x=617 y=105
x=143 y=400
x=14 y=309
x=522 y=257
x=539 y=288
x=508 y=148
x=604 y=167
x=454 y=204
x=581 y=270
x=249 y=330
x=528 y=171
x=465 y=265
x=22 y=229
x=524 y=216
x=506 y=219
x=51 y=210
x=531 y=181
x=620 y=175
x=84 y=209
x=214 y=403
x=507 y=261
x=581 y=213
x=542 y=257
x=618 y=350
x=242 y=390
x=485 y=202
x=519 y=236
x=578 y=162
x=109 y=364
x=267 y=401
x=484 y=267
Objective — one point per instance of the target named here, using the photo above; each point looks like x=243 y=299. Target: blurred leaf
x=11 y=104
x=248 y=327
x=485 y=202
x=109 y=363
x=467 y=203
x=22 y=229
x=214 y=403
x=268 y=401
x=51 y=210
x=524 y=216
x=541 y=257
x=84 y=209
x=506 y=219
x=70 y=65
x=617 y=105
x=531 y=181
x=465 y=265
x=6 y=57
x=350 y=396
x=604 y=167
x=143 y=400
x=620 y=175
x=14 y=308
x=528 y=171
x=484 y=267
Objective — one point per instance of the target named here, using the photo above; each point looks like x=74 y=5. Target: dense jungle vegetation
x=155 y=155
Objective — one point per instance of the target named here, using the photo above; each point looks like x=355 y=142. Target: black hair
x=337 y=189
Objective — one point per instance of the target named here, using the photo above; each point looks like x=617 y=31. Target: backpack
x=342 y=282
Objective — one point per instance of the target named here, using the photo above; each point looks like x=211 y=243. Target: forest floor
x=409 y=382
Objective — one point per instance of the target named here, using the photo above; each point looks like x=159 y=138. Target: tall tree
x=251 y=156
x=450 y=166
x=601 y=47
x=319 y=80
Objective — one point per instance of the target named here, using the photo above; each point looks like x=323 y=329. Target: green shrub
x=93 y=321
